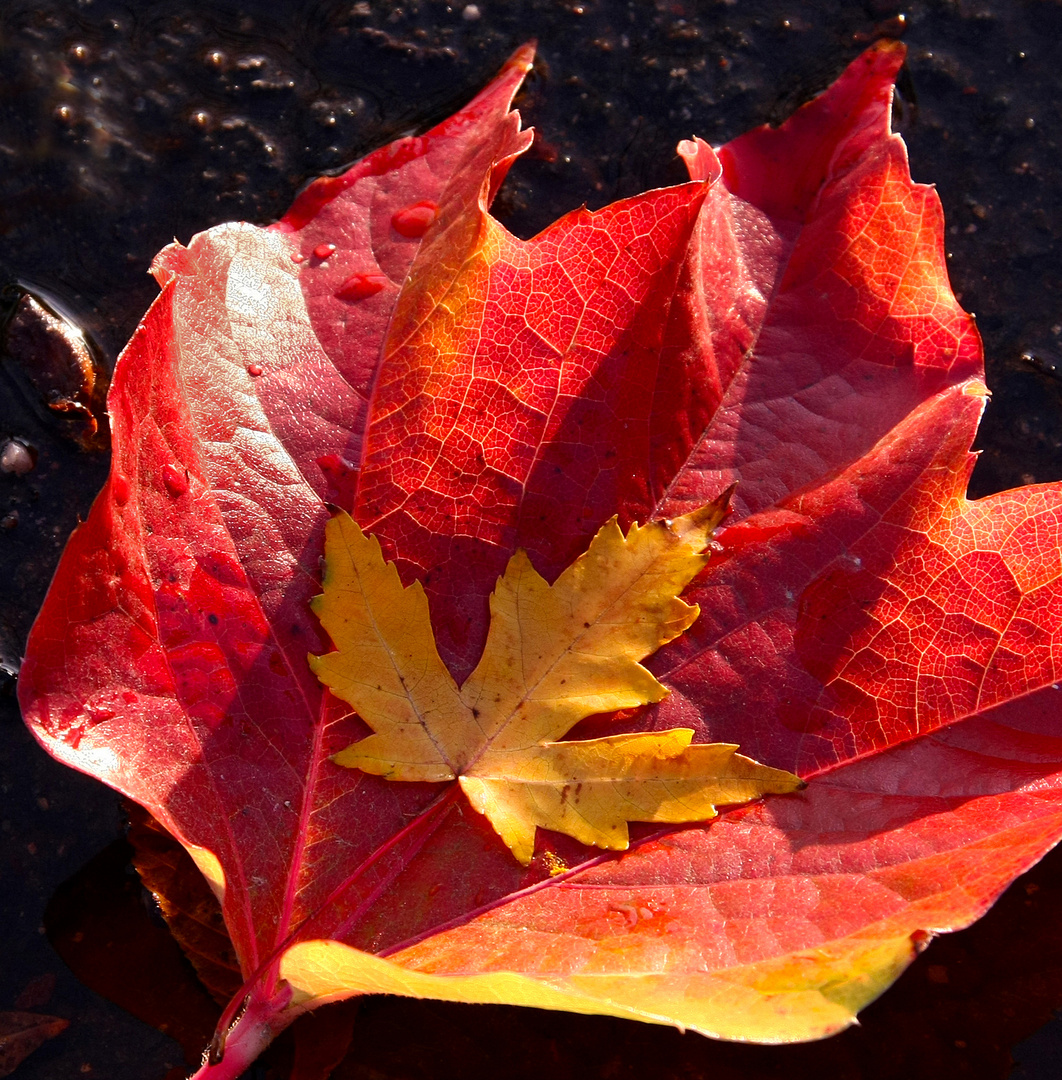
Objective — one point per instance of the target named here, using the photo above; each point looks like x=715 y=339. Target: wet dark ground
x=124 y=125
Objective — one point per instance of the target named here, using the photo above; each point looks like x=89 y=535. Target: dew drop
x=359 y=286
x=254 y=369
x=334 y=467
x=120 y=489
x=324 y=251
x=298 y=257
x=414 y=221
x=176 y=480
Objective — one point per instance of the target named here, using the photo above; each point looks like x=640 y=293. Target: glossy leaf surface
x=783 y=320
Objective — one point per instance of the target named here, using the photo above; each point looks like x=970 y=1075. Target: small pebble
x=15 y=458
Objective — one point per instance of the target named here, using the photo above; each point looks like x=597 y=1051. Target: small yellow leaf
x=554 y=655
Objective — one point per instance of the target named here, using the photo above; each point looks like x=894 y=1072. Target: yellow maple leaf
x=554 y=655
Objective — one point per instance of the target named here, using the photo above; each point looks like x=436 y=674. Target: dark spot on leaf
x=212 y=619
x=475 y=712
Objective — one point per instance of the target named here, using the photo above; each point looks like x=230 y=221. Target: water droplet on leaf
x=120 y=489
x=324 y=251
x=334 y=467
x=176 y=480
x=359 y=286
x=414 y=221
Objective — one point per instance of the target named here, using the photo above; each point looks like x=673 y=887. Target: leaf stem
x=230 y=1055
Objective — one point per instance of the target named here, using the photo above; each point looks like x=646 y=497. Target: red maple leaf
x=783 y=320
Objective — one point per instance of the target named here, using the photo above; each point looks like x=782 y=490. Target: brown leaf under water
x=23 y=1032
x=189 y=907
